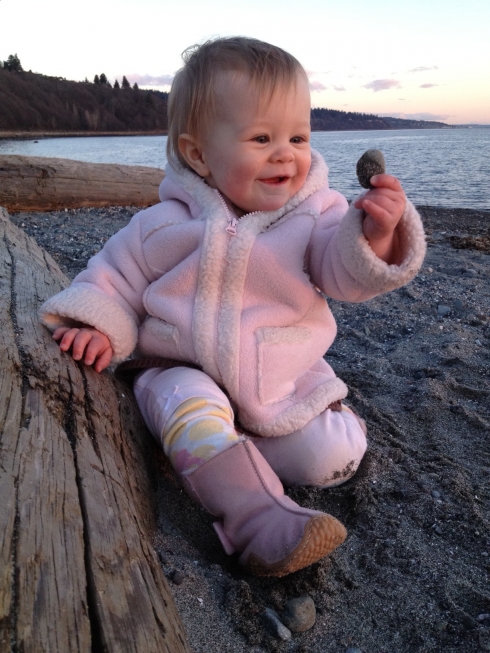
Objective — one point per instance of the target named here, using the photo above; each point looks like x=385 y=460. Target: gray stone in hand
x=371 y=163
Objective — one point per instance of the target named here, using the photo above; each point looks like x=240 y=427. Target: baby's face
x=257 y=152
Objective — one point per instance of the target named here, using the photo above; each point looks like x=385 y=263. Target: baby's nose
x=283 y=153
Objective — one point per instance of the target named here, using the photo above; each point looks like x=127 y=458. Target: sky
x=424 y=59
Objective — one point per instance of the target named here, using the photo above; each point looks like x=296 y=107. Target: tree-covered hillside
x=34 y=102
x=332 y=120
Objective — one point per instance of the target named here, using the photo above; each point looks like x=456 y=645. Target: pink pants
x=325 y=452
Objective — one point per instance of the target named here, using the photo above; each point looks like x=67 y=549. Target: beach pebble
x=371 y=163
x=468 y=622
x=177 y=577
x=458 y=305
x=274 y=625
x=443 y=310
x=299 y=614
x=436 y=494
x=351 y=649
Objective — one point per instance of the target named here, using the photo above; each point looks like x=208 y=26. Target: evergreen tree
x=13 y=63
x=116 y=84
x=96 y=79
x=103 y=78
x=135 y=87
x=125 y=83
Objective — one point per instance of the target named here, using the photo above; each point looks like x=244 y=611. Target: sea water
x=437 y=167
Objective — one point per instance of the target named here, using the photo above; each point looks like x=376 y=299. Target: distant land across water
x=34 y=103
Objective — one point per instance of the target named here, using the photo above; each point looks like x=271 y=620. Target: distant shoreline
x=18 y=135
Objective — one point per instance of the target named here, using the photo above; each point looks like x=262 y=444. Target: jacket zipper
x=232 y=223
x=231 y=226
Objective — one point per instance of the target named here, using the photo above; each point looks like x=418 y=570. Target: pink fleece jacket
x=247 y=307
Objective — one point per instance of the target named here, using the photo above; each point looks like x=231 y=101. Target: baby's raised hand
x=86 y=343
x=384 y=205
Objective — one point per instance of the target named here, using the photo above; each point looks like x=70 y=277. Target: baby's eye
x=297 y=139
x=262 y=139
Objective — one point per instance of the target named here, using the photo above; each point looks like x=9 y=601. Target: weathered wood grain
x=77 y=569
x=46 y=184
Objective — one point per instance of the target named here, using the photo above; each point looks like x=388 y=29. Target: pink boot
x=274 y=535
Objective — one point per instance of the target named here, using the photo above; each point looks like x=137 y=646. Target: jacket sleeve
x=108 y=295
x=343 y=265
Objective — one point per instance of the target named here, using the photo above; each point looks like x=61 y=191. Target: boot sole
x=322 y=535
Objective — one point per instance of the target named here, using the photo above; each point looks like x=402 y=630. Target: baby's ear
x=191 y=150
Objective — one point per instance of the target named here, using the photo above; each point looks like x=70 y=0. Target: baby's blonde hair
x=192 y=99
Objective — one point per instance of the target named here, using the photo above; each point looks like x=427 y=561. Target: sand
x=413 y=574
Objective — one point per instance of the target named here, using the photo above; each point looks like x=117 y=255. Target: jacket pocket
x=282 y=359
x=162 y=330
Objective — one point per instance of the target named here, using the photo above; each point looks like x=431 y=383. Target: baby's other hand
x=384 y=205
x=86 y=343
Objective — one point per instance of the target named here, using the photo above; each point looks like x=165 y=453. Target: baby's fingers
x=60 y=332
x=103 y=360
x=96 y=347
x=376 y=210
x=66 y=337
x=386 y=181
x=82 y=339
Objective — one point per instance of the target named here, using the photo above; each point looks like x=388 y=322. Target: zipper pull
x=231 y=228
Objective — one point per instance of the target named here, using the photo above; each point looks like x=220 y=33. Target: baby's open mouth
x=274 y=180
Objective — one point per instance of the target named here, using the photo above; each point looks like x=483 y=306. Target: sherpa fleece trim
x=206 y=304
x=83 y=305
x=365 y=267
x=233 y=290
x=301 y=413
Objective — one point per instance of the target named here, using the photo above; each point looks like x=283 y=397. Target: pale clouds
x=422 y=69
x=428 y=85
x=317 y=86
x=382 y=84
x=151 y=80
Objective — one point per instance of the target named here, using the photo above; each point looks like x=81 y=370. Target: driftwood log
x=77 y=569
x=47 y=184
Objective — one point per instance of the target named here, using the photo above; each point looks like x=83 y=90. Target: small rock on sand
x=299 y=614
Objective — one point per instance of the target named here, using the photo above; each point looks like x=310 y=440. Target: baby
x=217 y=294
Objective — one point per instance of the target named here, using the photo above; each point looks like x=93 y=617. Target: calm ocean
x=438 y=167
